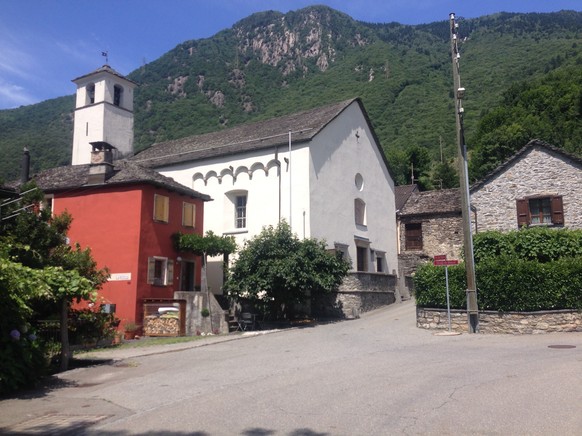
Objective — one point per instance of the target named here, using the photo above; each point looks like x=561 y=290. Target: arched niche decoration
x=258 y=166
x=196 y=177
x=274 y=163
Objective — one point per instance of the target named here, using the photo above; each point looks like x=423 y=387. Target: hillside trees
x=402 y=73
x=549 y=109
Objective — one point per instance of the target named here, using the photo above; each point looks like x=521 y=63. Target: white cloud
x=15 y=58
x=12 y=95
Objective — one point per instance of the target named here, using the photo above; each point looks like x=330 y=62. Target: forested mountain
x=271 y=64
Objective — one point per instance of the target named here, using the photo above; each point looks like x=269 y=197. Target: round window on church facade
x=359 y=182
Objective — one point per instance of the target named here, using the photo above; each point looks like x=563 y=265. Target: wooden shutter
x=413 y=236
x=151 y=270
x=170 y=272
x=557 y=210
x=161 y=208
x=522 y=206
x=188 y=214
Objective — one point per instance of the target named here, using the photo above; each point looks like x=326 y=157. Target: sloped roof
x=245 y=137
x=7 y=192
x=124 y=173
x=104 y=69
x=519 y=154
x=402 y=193
x=433 y=203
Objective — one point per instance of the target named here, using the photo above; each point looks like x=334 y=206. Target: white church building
x=321 y=170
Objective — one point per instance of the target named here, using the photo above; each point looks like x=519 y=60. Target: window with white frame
x=160 y=271
x=380 y=261
x=236 y=211
x=363 y=254
x=360 y=212
x=240 y=211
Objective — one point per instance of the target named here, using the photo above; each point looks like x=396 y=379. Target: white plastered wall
x=345 y=148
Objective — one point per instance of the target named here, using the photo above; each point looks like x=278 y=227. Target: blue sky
x=44 y=44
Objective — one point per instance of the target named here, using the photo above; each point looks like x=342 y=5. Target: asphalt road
x=378 y=375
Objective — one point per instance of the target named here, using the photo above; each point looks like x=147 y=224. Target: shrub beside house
x=529 y=281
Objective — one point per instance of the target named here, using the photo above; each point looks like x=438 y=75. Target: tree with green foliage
x=37 y=239
x=276 y=271
x=444 y=176
x=548 y=109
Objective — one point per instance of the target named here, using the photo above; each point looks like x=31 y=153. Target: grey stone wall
x=539 y=172
x=440 y=235
x=360 y=292
x=506 y=322
x=408 y=262
x=195 y=322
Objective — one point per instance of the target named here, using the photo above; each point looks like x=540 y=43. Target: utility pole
x=472 y=309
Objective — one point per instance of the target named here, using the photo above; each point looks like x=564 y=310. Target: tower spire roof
x=104 y=69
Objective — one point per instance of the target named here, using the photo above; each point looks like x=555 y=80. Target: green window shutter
x=151 y=270
x=522 y=206
x=557 y=210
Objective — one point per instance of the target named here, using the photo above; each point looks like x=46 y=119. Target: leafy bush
x=430 y=286
x=90 y=325
x=21 y=356
x=276 y=271
x=540 y=244
x=505 y=283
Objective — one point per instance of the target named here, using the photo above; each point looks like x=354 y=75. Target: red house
x=127 y=215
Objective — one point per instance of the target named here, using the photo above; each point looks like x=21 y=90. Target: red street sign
x=445 y=262
x=440 y=257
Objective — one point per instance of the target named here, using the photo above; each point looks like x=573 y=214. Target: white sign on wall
x=120 y=277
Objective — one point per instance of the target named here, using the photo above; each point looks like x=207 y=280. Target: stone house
x=322 y=170
x=538 y=185
x=429 y=224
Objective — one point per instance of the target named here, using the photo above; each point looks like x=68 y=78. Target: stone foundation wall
x=195 y=322
x=506 y=322
x=360 y=292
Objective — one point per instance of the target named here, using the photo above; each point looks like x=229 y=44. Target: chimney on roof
x=25 y=167
x=101 y=167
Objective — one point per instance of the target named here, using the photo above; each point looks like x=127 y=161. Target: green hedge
x=505 y=284
x=526 y=270
x=540 y=244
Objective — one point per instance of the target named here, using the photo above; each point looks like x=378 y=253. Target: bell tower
x=103 y=113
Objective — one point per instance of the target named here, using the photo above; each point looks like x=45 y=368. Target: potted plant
x=130 y=329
